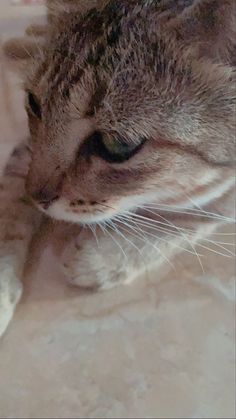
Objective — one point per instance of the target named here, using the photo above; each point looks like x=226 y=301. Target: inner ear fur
x=37 y=30
x=24 y=48
x=19 y=53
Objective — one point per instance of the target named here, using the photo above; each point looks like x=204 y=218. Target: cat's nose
x=45 y=196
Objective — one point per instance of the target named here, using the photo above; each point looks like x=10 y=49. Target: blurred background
x=163 y=347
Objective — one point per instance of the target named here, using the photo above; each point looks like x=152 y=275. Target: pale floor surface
x=164 y=347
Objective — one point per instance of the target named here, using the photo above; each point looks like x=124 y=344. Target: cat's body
x=131 y=111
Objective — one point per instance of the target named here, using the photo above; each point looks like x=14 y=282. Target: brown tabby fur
x=151 y=71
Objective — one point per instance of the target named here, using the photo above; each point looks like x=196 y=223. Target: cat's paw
x=94 y=267
x=10 y=293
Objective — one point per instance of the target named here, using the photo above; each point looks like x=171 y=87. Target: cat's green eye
x=117 y=150
x=34 y=105
x=117 y=147
x=111 y=148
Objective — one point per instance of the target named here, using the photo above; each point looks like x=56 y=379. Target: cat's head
x=128 y=105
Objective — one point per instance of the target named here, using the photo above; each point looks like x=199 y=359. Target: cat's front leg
x=10 y=292
x=17 y=221
x=113 y=258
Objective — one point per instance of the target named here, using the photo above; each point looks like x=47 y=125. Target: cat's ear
x=21 y=52
x=210 y=25
x=24 y=48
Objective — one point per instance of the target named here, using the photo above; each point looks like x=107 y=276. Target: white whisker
x=214 y=251
x=219 y=244
x=156 y=227
x=167 y=241
x=184 y=236
x=114 y=227
x=115 y=241
x=188 y=211
x=93 y=229
x=144 y=239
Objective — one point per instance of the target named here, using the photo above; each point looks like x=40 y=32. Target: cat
x=131 y=108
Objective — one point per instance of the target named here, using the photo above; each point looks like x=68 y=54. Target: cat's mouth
x=79 y=211
x=91 y=211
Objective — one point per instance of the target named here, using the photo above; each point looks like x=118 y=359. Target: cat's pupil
x=112 y=150
x=34 y=105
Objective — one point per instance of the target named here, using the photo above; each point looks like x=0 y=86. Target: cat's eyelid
x=123 y=139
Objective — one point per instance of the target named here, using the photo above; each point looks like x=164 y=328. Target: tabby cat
x=131 y=108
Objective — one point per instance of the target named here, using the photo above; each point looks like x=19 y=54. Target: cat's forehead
x=78 y=60
x=99 y=40
x=114 y=83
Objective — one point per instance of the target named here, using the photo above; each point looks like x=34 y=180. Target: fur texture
x=131 y=111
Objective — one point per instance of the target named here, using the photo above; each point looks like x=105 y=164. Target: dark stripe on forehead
x=69 y=54
x=84 y=45
x=83 y=42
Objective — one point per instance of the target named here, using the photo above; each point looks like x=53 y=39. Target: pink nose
x=45 y=196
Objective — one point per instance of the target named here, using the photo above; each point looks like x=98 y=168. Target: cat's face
x=122 y=115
